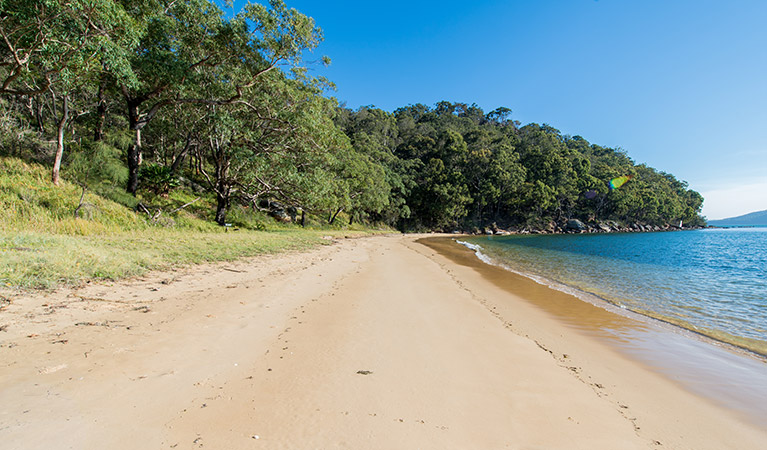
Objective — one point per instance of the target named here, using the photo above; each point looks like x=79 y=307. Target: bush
x=158 y=179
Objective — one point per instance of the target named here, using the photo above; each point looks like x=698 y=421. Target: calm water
x=712 y=281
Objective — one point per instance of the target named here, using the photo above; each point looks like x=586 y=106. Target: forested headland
x=140 y=101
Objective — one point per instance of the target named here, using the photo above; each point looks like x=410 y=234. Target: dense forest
x=136 y=98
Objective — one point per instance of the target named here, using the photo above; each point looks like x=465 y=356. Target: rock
x=575 y=225
x=278 y=211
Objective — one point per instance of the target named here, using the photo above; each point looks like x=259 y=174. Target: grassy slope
x=43 y=244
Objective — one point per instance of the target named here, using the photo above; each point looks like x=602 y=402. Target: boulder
x=574 y=225
x=278 y=211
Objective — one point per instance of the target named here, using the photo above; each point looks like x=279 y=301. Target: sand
x=372 y=343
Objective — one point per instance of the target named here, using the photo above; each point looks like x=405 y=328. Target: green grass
x=41 y=260
x=30 y=202
x=43 y=246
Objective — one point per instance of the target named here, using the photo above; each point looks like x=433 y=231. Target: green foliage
x=29 y=202
x=204 y=117
x=52 y=44
x=452 y=165
x=93 y=163
x=43 y=245
x=158 y=179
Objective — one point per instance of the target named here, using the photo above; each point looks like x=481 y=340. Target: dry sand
x=369 y=343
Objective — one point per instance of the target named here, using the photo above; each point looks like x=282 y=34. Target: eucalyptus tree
x=374 y=134
x=364 y=185
x=493 y=173
x=442 y=198
x=44 y=42
x=186 y=46
x=550 y=174
x=277 y=142
x=54 y=49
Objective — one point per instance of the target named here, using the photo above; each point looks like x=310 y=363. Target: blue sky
x=681 y=85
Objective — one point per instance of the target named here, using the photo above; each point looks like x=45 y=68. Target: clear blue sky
x=681 y=85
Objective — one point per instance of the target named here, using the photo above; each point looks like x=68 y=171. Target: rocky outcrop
x=574 y=226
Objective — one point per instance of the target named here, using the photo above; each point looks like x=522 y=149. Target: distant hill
x=758 y=218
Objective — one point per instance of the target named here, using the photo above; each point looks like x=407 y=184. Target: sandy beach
x=372 y=343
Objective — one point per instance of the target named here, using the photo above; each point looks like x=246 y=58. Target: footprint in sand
x=52 y=369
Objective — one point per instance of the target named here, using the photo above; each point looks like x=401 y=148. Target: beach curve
x=378 y=342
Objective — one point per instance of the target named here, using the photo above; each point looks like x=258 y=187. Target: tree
x=493 y=173
x=279 y=142
x=441 y=197
x=44 y=42
x=186 y=45
x=55 y=48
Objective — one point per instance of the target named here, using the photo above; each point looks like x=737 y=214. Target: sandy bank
x=370 y=343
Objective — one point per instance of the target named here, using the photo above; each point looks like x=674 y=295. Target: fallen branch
x=184 y=206
x=152 y=217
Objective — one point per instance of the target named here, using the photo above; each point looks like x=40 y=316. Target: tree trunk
x=333 y=217
x=223 y=188
x=134 y=150
x=179 y=159
x=134 y=162
x=222 y=204
x=101 y=115
x=303 y=218
x=60 y=140
x=38 y=113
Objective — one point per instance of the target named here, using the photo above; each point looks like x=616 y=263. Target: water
x=712 y=282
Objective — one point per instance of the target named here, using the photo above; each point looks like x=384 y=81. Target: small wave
x=538 y=279
x=586 y=296
x=754 y=347
x=478 y=251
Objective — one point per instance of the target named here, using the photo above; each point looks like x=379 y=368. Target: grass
x=44 y=246
x=41 y=260
x=30 y=202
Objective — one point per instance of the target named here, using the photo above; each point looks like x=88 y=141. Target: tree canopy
x=156 y=94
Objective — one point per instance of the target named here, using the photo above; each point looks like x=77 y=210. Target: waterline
x=710 y=282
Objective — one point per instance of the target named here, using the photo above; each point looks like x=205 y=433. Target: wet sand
x=370 y=343
x=727 y=375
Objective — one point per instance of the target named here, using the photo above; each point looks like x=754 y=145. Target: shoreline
x=747 y=347
x=661 y=345
x=377 y=342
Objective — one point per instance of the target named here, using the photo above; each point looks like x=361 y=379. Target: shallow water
x=727 y=375
x=712 y=281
